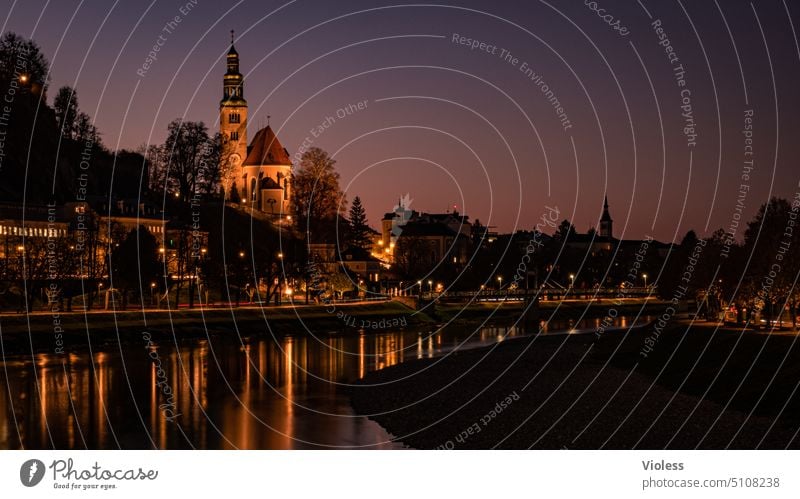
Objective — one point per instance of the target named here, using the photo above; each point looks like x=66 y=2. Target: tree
x=21 y=57
x=564 y=231
x=340 y=283
x=134 y=263
x=774 y=264
x=188 y=156
x=413 y=257
x=360 y=233
x=65 y=106
x=85 y=131
x=317 y=199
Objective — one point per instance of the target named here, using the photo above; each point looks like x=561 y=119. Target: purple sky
x=456 y=126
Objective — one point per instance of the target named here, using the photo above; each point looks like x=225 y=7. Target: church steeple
x=233 y=81
x=233 y=125
x=606 y=223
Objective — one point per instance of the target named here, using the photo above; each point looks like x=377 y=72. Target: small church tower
x=606 y=224
x=233 y=126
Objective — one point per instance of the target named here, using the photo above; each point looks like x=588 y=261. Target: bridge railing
x=544 y=294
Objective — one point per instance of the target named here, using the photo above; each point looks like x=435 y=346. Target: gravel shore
x=698 y=388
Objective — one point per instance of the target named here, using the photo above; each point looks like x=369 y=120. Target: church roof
x=266 y=149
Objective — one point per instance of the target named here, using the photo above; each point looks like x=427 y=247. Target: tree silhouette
x=317 y=199
x=134 y=263
x=359 y=230
x=65 y=106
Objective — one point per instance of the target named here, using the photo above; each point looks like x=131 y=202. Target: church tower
x=233 y=127
x=606 y=224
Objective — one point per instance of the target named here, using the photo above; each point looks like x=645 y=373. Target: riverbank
x=70 y=331
x=696 y=388
x=47 y=332
x=547 y=310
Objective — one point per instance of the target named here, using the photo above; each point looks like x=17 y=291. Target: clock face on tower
x=235 y=159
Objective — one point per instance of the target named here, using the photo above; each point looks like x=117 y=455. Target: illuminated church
x=259 y=174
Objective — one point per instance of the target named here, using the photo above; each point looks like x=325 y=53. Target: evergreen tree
x=359 y=230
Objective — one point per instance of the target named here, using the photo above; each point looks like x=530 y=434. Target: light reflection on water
x=254 y=393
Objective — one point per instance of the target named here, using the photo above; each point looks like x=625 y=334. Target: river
x=227 y=393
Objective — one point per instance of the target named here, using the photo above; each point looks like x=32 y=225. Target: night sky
x=455 y=126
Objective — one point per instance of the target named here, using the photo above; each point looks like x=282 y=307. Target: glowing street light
x=500 y=282
x=430 y=285
x=571 y=280
x=644 y=276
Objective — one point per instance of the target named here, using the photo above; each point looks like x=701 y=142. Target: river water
x=228 y=393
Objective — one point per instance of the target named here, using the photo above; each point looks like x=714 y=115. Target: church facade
x=258 y=175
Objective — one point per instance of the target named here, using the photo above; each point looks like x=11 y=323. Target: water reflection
x=253 y=393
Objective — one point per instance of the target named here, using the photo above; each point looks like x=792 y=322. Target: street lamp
x=644 y=276
x=240 y=282
x=430 y=286
x=571 y=280
x=500 y=282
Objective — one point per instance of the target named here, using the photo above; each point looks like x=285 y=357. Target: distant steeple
x=606 y=223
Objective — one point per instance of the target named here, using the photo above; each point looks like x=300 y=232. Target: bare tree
x=317 y=198
x=191 y=159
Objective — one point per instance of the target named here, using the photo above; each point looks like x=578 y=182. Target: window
x=234 y=118
x=234 y=135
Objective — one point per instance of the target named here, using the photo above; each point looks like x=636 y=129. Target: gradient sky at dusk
x=455 y=126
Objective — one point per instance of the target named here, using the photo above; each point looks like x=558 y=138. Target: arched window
x=253 y=189
x=234 y=135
